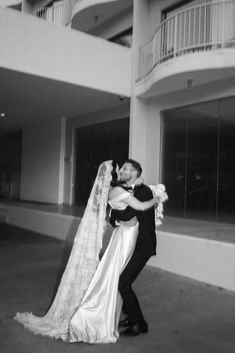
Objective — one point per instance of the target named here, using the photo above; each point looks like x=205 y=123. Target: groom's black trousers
x=128 y=276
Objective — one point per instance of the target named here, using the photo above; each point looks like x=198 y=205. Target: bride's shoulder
x=115 y=192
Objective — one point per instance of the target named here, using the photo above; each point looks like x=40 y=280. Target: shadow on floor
x=184 y=316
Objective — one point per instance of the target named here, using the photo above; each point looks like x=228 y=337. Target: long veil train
x=81 y=266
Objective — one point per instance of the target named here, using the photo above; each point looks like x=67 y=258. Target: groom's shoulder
x=144 y=188
x=143 y=193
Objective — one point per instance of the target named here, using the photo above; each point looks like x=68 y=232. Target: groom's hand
x=132 y=222
x=112 y=221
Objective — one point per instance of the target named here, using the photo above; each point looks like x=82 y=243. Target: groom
x=135 y=323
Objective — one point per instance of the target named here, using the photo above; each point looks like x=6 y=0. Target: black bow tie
x=127 y=188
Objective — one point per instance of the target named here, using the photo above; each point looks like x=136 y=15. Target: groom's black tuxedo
x=145 y=248
x=146 y=240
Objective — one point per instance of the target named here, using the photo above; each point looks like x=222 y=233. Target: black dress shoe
x=135 y=330
x=125 y=322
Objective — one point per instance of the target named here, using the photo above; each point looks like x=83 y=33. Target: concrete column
x=67 y=13
x=145 y=119
x=145 y=138
x=153 y=144
x=62 y=161
x=141 y=32
x=27 y=6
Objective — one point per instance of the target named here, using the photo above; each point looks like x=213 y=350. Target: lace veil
x=81 y=266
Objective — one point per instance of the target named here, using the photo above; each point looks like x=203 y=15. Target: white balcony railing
x=53 y=14
x=208 y=26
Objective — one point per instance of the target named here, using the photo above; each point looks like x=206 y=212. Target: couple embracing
x=92 y=293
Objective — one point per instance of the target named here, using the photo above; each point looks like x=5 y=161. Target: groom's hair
x=136 y=165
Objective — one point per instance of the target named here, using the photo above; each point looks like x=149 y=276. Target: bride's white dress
x=87 y=304
x=96 y=318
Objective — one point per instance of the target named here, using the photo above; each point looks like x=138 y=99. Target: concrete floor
x=184 y=316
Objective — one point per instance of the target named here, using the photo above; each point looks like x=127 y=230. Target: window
x=198 y=160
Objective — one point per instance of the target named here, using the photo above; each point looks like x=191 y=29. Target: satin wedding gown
x=96 y=318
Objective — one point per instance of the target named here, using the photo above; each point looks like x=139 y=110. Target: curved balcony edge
x=186 y=71
x=84 y=4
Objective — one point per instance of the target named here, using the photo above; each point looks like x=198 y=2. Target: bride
x=87 y=304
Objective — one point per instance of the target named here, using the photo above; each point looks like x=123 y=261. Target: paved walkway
x=184 y=316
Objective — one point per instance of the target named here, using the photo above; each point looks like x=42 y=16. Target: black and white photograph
x=117 y=174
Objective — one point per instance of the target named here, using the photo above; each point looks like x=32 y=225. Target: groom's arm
x=122 y=215
x=128 y=213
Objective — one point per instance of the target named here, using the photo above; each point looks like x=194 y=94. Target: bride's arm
x=143 y=194
x=133 y=202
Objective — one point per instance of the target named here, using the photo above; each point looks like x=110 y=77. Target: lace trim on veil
x=81 y=266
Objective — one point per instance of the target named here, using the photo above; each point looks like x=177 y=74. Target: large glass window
x=95 y=144
x=10 y=165
x=198 y=160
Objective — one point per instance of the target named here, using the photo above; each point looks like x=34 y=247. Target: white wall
x=37 y=47
x=40 y=174
x=205 y=260
x=10 y=2
x=48 y=223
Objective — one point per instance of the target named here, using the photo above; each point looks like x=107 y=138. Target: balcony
x=198 y=29
x=53 y=13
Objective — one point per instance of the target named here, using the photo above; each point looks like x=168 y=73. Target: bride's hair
x=114 y=181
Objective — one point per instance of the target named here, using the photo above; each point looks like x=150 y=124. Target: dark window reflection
x=95 y=144
x=198 y=160
x=174 y=161
x=226 y=185
x=202 y=165
x=10 y=165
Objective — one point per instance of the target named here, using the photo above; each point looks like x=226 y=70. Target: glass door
x=226 y=184
x=201 y=166
x=95 y=144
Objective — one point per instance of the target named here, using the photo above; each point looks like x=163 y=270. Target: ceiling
x=28 y=99
x=93 y=16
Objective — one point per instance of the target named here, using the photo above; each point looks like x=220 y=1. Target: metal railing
x=53 y=14
x=208 y=26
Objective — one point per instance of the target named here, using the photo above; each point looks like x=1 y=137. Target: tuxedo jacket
x=146 y=240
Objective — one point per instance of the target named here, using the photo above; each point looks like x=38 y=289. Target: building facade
x=84 y=81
